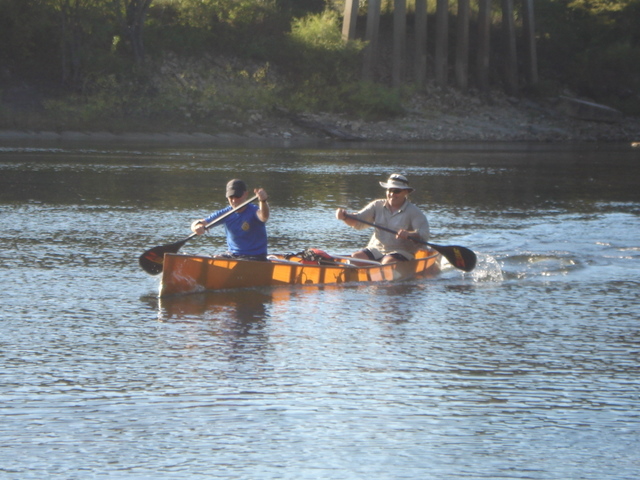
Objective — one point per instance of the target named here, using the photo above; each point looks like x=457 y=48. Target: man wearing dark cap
x=245 y=227
x=394 y=212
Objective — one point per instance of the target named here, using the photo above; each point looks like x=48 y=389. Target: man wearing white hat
x=395 y=212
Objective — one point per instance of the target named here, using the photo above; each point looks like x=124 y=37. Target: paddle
x=152 y=260
x=459 y=257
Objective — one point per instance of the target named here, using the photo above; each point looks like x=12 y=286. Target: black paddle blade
x=459 y=257
x=152 y=260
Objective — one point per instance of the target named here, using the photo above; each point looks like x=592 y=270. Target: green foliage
x=108 y=101
x=318 y=31
x=610 y=73
x=591 y=47
x=238 y=13
x=372 y=100
x=183 y=99
x=28 y=37
x=358 y=99
x=316 y=51
x=597 y=7
x=242 y=27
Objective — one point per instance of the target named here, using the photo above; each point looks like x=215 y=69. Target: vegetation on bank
x=152 y=65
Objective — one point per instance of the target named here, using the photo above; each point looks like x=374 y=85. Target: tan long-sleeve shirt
x=408 y=217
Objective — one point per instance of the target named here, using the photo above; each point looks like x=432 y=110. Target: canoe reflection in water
x=234 y=323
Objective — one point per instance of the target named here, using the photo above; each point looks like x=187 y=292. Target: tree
x=131 y=15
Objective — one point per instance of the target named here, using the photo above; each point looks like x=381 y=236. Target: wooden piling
x=371 y=37
x=420 y=73
x=349 y=22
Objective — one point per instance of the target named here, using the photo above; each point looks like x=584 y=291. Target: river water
x=526 y=368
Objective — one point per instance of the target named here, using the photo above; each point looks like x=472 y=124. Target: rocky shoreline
x=438 y=117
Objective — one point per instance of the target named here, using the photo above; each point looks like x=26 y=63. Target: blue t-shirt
x=246 y=233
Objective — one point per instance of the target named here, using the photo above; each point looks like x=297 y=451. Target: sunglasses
x=234 y=196
x=395 y=190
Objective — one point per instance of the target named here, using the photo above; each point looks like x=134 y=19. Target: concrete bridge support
x=464 y=37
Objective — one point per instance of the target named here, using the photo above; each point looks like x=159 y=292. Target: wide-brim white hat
x=397 y=181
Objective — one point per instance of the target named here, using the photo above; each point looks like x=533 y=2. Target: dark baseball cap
x=236 y=188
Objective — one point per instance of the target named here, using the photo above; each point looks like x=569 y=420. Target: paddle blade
x=459 y=257
x=152 y=260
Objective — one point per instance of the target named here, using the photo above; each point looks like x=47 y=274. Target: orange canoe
x=190 y=273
